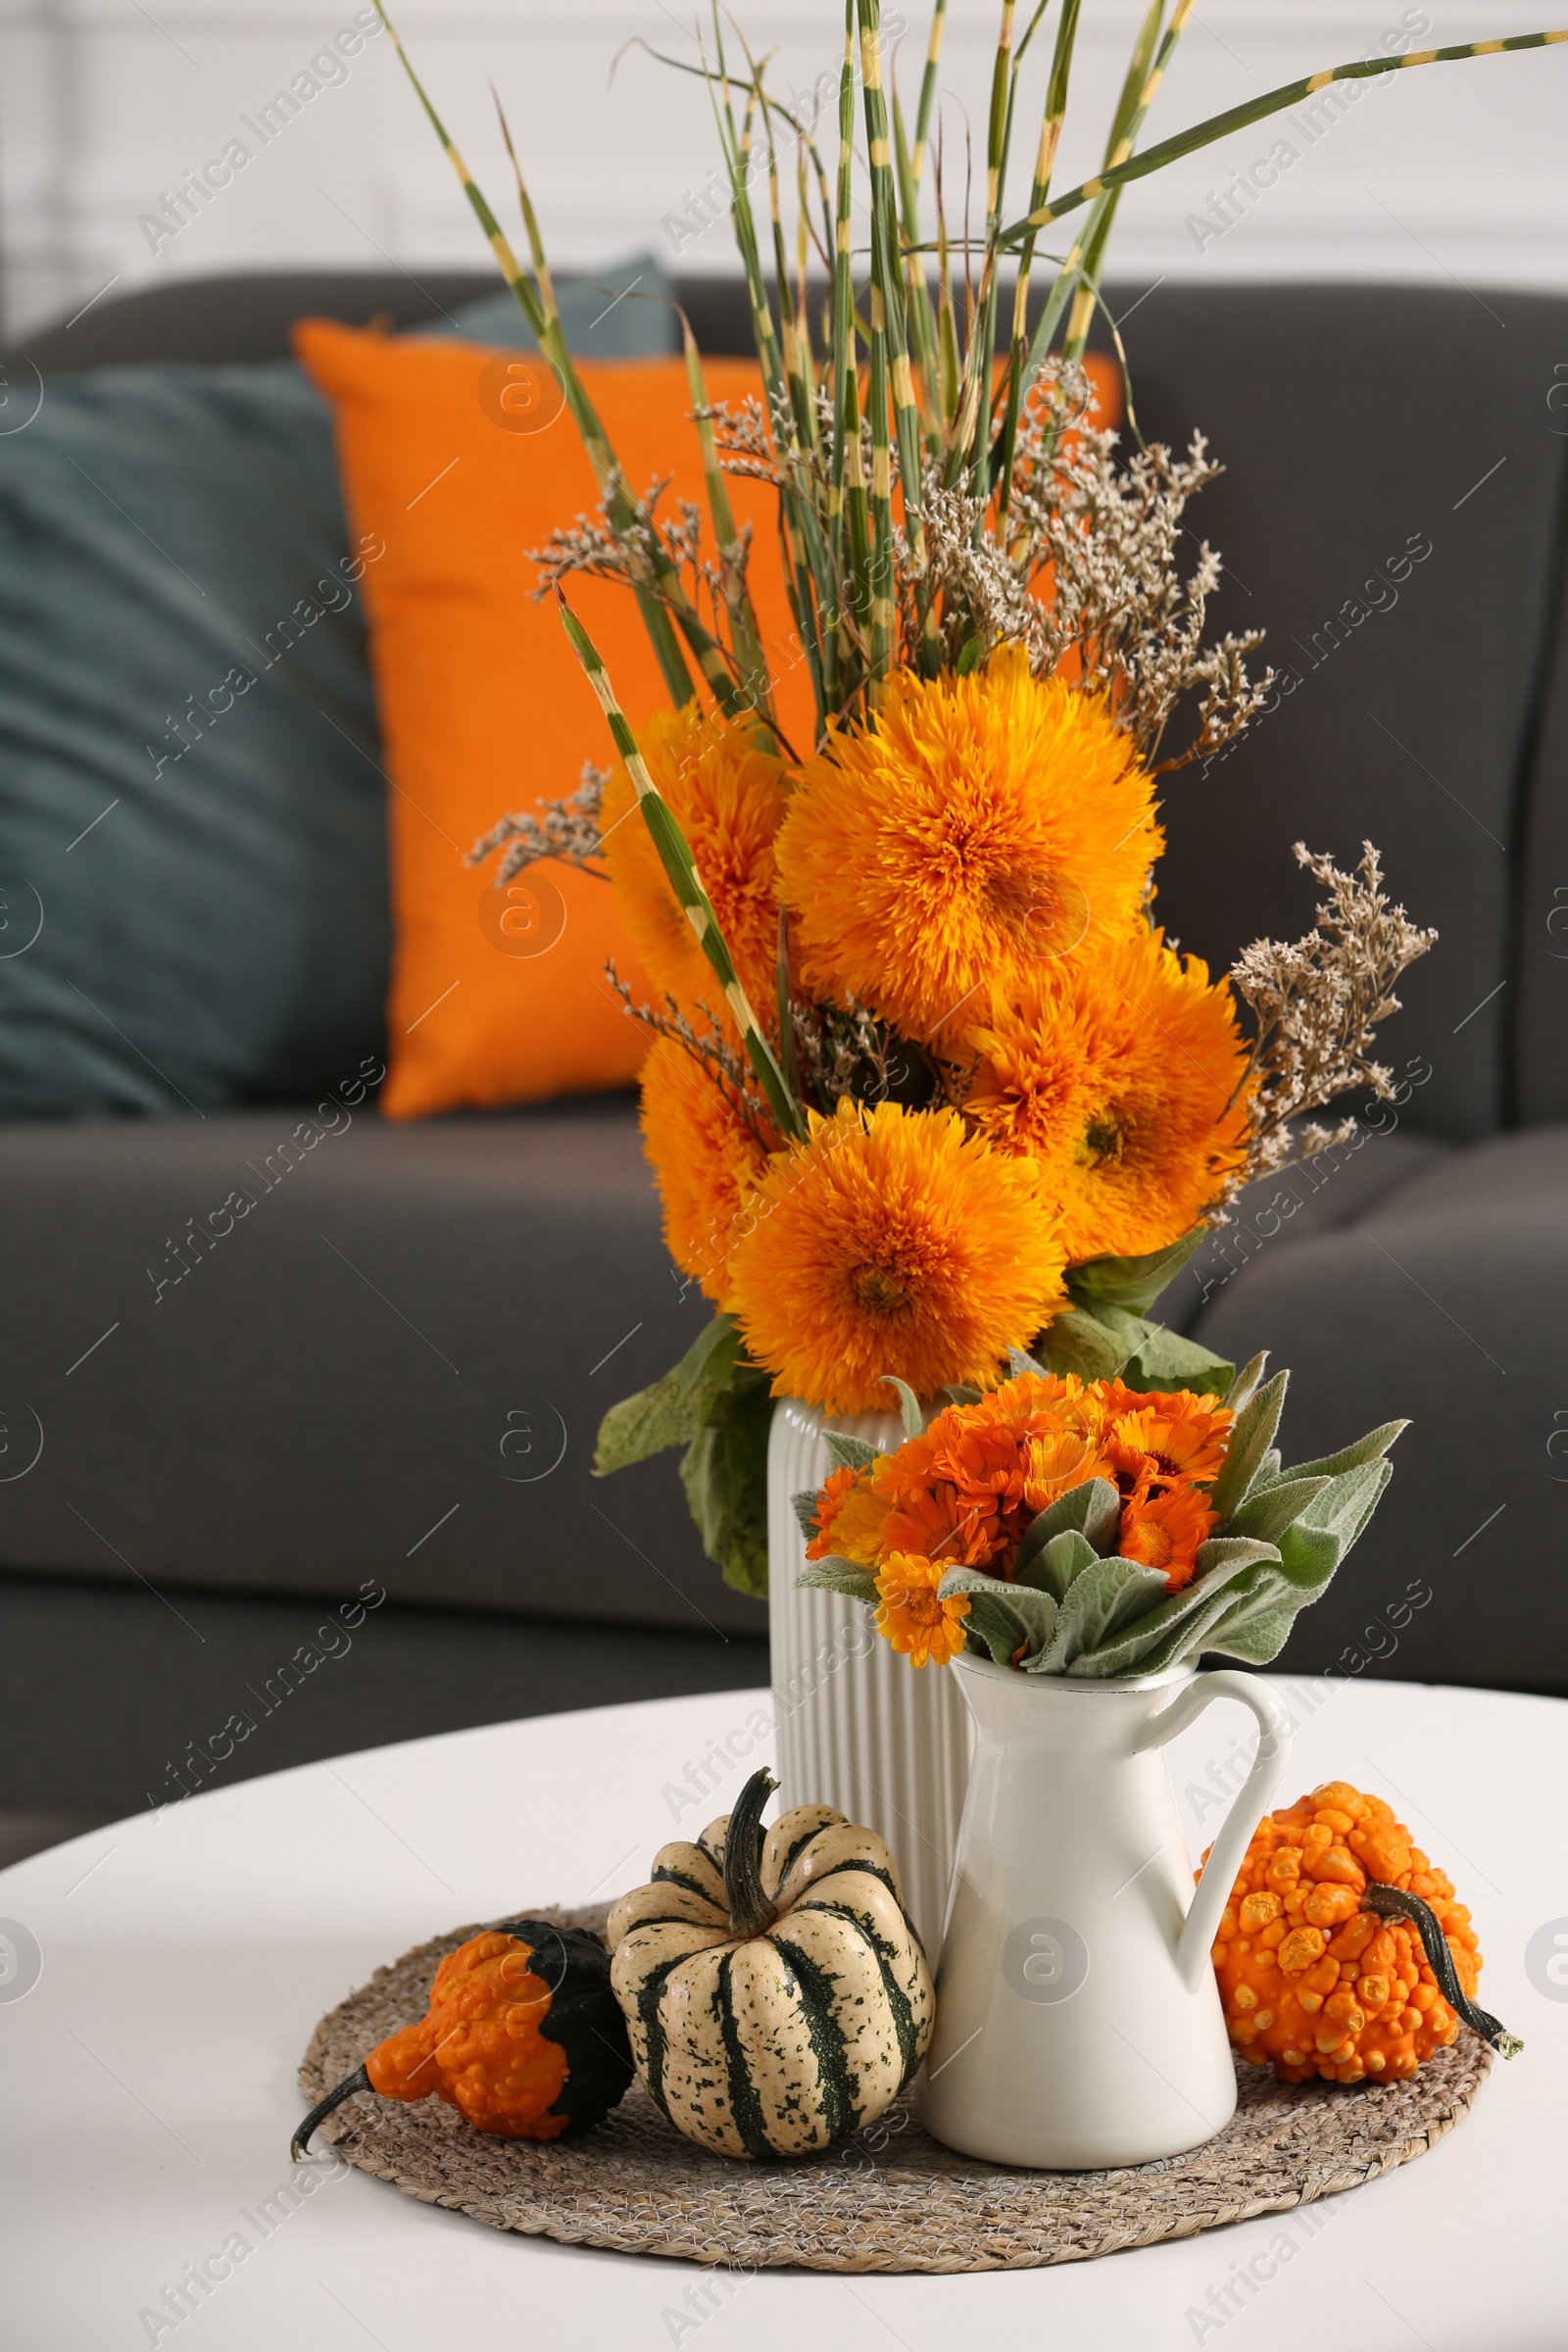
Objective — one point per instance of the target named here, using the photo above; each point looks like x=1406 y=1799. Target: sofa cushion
x=192 y=813
x=237 y=1685
x=1444 y=1302
x=284 y=1349
x=1392 y=513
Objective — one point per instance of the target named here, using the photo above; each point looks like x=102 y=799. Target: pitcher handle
x=1218 y=1874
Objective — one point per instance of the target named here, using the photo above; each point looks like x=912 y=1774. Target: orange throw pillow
x=495 y=998
x=498 y=996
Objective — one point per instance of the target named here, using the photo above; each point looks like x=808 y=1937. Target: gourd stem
x=750 y=1910
x=1394 y=1902
x=357 y=2081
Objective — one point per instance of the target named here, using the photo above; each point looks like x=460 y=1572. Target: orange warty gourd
x=1312 y=1982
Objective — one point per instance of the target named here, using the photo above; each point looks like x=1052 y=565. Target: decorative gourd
x=1342 y=1951
x=523 y=2036
x=776 y=1993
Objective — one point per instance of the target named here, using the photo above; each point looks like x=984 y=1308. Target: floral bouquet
x=935 y=1107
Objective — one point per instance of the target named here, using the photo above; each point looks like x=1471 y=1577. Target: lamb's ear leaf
x=999 y=1628
x=1034 y=1613
x=1369 y=1449
x=1256 y=1623
x=676 y=1406
x=1132 y=1284
x=1058 y=1565
x=1271 y=1509
x=1174 y=1626
x=1167 y=1360
x=1254 y=1636
x=1094 y=1508
x=909 y=1404
x=1018 y=1364
x=1244 y=1385
x=1347 y=1502
x=803 y=1505
x=958 y=1391
x=1100 y=1603
x=840 y=1575
x=1094 y=1347
x=849 y=1454
x=1250 y=1439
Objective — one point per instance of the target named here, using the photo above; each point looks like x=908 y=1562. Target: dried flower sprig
x=566 y=829
x=1317 y=1003
x=721 y=1063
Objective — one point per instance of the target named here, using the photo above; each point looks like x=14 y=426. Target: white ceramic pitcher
x=1078 y=2021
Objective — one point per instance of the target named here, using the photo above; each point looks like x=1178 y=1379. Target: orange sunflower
x=977 y=827
x=890 y=1241
x=727 y=793
x=1163 y=1527
x=1137 y=1121
x=706 y=1159
x=921 y=1626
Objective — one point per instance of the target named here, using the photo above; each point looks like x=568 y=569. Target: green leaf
x=1032 y=1615
x=1018 y=1364
x=724 y=1472
x=1251 y=1440
x=1308 y=1558
x=958 y=1391
x=1245 y=1385
x=1272 y=1507
x=1349 y=1501
x=1351 y=1457
x=1167 y=1360
x=909 y=1404
x=849 y=1454
x=676 y=1407
x=1100 y=1602
x=1255 y=1635
x=1132 y=1284
x=1094 y=1347
x=1094 y=1509
x=803 y=1505
x=838 y=1576
x=1175 y=1625
x=997 y=1627
x=1056 y=1567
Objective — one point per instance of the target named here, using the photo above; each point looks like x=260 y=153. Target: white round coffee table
x=149 y=2072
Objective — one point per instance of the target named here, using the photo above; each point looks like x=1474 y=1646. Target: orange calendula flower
x=913 y=1617
x=727 y=793
x=1185 y=1438
x=1125 y=1079
x=706 y=1159
x=892 y=1241
x=848 y=1520
x=1163 y=1527
x=979 y=825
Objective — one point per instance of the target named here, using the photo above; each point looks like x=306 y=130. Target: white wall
x=1457 y=173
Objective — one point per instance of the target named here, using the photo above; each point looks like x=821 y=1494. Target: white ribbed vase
x=857 y=1726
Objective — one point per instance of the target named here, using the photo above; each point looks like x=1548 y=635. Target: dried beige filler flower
x=567 y=829
x=1317 y=1003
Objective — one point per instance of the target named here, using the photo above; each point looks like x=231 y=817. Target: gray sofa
x=385 y=1381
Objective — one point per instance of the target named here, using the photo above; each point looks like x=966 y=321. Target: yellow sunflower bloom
x=913 y=1617
x=728 y=794
x=980 y=826
x=706 y=1160
x=1124 y=1079
x=891 y=1243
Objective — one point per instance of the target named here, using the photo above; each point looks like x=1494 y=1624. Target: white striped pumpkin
x=774 y=1991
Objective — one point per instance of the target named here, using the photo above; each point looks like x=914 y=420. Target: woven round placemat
x=889 y=2199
